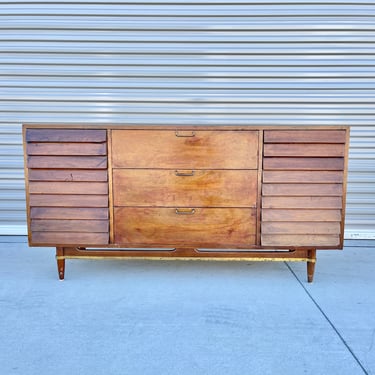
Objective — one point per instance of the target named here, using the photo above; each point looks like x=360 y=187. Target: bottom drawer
x=185 y=227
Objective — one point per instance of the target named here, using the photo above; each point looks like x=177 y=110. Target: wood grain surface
x=67 y=200
x=69 y=238
x=67 y=186
x=200 y=227
x=303 y=164
x=39 y=148
x=68 y=225
x=302 y=202
x=323 y=215
x=198 y=188
x=303 y=177
x=311 y=240
x=66 y=135
x=67 y=162
x=303 y=227
x=189 y=150
x=304 y=136
x=304 y=150
x=78 y=175
x=303 y=187
x=64 y=213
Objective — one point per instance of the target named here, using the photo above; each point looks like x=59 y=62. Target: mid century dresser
x=186 y=192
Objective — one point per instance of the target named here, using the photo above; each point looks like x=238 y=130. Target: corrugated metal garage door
x=189 y=62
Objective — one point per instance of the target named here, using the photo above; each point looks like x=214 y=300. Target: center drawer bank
x=186 y=192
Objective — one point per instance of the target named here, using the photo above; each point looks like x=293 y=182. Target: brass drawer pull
x=186 y=134
x=178 y=173
x=189 y=211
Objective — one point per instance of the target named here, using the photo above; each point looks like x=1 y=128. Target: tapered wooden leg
x=311 y=265
x=60 y=262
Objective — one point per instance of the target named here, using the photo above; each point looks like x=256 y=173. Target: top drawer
x=185 y=149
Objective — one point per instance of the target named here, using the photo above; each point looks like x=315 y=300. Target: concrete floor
x=145 y=317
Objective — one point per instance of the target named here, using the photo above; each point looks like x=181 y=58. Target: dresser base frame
x=307 y=255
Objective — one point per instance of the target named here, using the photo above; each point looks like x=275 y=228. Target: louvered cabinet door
x=303 y=191
x=67 y=186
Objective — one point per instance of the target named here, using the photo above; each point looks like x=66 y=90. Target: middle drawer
x=184 y=188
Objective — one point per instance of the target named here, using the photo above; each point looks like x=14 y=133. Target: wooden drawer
x=198 y=227
x=198 y=149
x=185 y=188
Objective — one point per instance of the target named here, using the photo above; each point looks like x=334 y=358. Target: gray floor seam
x=328 y=320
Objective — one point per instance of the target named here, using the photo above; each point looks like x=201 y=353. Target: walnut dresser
x=186 y=192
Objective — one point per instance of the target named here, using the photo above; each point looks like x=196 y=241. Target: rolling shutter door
x=188 y=62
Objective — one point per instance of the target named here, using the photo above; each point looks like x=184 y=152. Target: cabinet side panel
x=26 y=173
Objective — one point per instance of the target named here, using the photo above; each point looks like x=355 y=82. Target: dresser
x=186 y=192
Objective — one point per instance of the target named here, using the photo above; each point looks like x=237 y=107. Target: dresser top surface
x=180 y=127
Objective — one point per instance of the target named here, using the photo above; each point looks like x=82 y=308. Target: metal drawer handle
x=190 y=211
x=178 y=173
x=190 y=134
